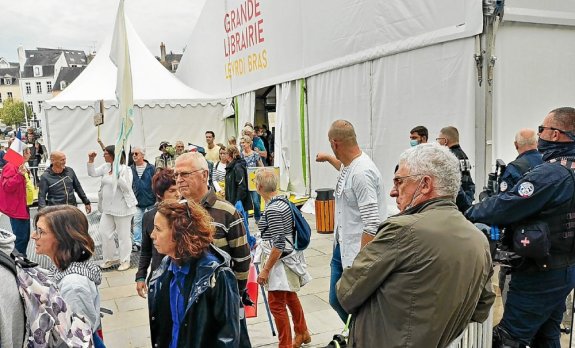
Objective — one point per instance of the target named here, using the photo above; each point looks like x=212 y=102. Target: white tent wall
x=534 y=73
x=246 y=108
x=288 y=139
x=384 y=99
x=433 y=87
x=72 y=131
x=339 y=94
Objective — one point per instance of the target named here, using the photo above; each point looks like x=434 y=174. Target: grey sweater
x=12 y=325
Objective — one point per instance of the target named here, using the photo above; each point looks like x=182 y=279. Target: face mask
x=413 y=142
x=553 y=149
x=415 y=195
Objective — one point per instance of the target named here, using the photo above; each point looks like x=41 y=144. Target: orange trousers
x=279 y=302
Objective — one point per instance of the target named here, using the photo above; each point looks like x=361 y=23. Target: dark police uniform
x=538 y=289
x=516 y=169
x=466 y=192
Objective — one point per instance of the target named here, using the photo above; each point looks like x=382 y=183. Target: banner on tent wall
x=242 y=45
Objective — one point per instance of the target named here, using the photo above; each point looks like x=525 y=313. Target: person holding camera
x=540 y=213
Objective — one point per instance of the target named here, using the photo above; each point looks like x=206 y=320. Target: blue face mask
x=413 y=142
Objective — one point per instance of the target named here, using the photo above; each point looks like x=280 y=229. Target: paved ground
x=128 y=326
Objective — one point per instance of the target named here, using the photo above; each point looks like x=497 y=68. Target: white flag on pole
x=120 y=56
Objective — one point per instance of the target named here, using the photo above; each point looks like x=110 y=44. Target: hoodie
x=12 y=322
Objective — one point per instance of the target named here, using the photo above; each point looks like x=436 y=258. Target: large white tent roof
x=152 y=83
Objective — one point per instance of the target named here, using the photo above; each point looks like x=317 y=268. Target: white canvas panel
x=534 y=74
x=288 y=40
x=338 y=94
x=246 y=110
x=431 y=87
x=288 y=142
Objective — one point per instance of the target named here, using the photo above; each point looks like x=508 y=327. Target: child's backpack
x=49 y=321
x=301 y=227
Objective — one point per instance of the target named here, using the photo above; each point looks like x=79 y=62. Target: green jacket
x=421 y=280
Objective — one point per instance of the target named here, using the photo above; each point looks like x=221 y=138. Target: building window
x=0 y=97
x=39 y=87
x=175 y=66
x=48 y=86
x=9 y=95
x=8 y=81
x=31 y=105
x=62 y=85
x=37 y=70
x=28 y=88
x=40 y=106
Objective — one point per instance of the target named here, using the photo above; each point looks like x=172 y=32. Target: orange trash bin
x=324 y=210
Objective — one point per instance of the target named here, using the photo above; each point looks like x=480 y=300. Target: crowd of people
x=414 y=279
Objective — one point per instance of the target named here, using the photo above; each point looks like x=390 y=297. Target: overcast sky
x=84 y=24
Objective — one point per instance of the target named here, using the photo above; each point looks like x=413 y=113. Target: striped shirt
x=230 y=235
x=276 y=225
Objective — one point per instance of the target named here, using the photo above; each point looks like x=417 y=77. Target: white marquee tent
x=165 y=109
x=387 y=66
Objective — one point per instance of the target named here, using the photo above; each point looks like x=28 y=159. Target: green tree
x=12 y=114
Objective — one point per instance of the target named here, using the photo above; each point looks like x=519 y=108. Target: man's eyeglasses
x=185 y=175
x=541 y=129
x=136 y=154
x=398 y=180
x=438 y=139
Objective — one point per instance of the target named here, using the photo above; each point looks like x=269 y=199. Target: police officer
x=449 y=136
x=543 y=198
x=528 y=158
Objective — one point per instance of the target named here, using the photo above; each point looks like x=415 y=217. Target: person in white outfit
x=117 y=203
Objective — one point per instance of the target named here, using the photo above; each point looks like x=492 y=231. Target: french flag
x=15 y=152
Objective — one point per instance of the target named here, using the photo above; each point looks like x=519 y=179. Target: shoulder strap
x=523 y=165
x=8 y=262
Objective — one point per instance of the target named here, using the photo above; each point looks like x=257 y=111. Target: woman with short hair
x=194 y=300
x=283 y=269
x=237 y=179
x=165 y=189
x=62 y=235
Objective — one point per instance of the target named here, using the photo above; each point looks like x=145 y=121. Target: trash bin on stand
x=324 y=210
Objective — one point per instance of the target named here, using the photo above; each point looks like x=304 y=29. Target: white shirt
x=362 y=186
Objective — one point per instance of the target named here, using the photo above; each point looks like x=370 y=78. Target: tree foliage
x=12 y=114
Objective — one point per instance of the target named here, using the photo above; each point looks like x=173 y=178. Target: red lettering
x=251 y=39
x=233 y=20
x=260 y=30
x=257 y=7
x=227 y=23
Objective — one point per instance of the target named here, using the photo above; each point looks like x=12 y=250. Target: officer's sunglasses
x=541 y=129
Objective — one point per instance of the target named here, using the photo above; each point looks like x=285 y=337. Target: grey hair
x=142 y=150
x=266 y=178
x=436 y=161
x=196 y=157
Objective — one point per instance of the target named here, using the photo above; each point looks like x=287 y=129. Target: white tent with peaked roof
x=165 y=109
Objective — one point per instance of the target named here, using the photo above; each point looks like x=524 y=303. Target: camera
x=492 y=187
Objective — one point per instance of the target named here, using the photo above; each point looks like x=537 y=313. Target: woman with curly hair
x=193 y=299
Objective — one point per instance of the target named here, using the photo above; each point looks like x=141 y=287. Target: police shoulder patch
x=526 y=189
x=503 y=186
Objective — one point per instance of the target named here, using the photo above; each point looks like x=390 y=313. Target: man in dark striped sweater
x=191 y=172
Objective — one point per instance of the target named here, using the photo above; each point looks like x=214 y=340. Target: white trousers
x=110 y=226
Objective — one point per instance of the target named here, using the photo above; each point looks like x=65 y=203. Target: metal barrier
x=477 y=335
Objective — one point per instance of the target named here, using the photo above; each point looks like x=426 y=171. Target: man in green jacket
x=427 y=272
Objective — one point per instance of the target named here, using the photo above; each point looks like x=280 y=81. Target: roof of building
x=11 y=72
x=48 y=56
x=68 y=75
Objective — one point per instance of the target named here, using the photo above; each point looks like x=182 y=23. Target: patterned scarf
x=86 y=268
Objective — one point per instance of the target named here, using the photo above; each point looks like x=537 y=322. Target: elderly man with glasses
x=191 y=173
x=426 y=274
x=540 y=213
x=142 y=172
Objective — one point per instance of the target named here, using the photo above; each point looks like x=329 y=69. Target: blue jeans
x=535 y=306
x=138 y=224
x=256 y=200
x=336 y=272
x=21 y=229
